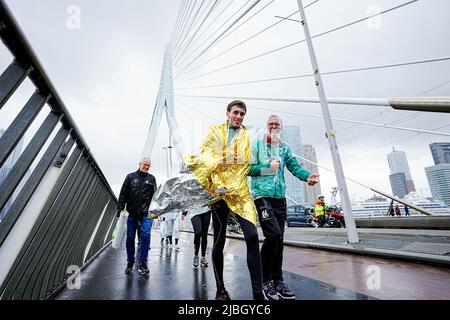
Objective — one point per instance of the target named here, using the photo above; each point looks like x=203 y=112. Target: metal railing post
x=331 y=135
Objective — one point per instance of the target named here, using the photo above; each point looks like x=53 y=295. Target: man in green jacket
x=269 y=156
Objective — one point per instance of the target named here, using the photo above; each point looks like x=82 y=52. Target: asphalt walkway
x=172 y=277
x=427 y=246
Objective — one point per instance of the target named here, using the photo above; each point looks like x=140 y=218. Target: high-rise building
x=439 y=180
x=295 y=188
x=398 y=184
x=311 y=192
x=440 y=152
x=398 y=163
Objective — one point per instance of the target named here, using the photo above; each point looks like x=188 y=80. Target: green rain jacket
x=264 y=184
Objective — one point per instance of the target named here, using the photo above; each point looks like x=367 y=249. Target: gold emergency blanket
x=218 y=166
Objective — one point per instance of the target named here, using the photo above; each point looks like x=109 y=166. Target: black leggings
x=200 y=223
x=220 y=212
x=272 y=217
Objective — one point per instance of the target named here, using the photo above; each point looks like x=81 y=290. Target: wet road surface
x=312 y=274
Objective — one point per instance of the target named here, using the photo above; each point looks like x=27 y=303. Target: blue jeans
x=145 y=225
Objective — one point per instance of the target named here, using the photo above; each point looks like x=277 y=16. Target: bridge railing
x=413 y=222
x=64 y=214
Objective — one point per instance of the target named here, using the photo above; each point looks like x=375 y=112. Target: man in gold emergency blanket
x=221 y=167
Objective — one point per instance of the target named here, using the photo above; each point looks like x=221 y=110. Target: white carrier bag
x=118 y=232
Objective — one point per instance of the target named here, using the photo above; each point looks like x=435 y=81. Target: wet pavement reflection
x=172 y=276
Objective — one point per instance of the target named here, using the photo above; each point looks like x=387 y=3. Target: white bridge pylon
x=164 y=103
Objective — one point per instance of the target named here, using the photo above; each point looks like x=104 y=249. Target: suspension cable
x=373 y=131
x=295 y=43
x=216 y=30
x=402 y=64
x=189 y=29
x=244 y=41
x=197 y=30
x=309 y=5
x=353 y=121
x=399 y=140
x=178 y=19
x=415 y=207
x=228 y=28
x=434 y=88
x=183 y=28
x=245 y=21
x=212 y=22
x=231 y=32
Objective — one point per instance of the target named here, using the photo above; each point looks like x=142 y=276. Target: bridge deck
x=312 y=274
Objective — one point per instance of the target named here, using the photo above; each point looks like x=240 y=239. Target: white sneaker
x=195 y=262
x=204 y=263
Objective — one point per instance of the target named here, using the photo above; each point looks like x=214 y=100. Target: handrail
x=58 y=214
x=16 y=41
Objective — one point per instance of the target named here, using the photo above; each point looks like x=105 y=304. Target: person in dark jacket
x=135 y=197
x=406 y=210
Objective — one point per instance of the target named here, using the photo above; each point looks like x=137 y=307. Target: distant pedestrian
x=200 y=219
x=171 y=227
x=397 y=211
x=162 y=230
x=406 y=211
x=391 y=211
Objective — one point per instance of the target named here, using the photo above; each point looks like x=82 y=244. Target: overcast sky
x=107 y=72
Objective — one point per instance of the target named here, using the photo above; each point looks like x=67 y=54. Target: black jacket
x=136 y=193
